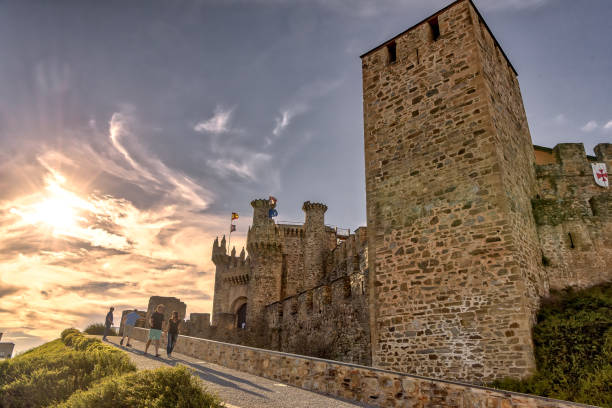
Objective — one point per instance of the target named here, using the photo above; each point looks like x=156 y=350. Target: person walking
x=157 y=322
x=173 y=331
x=108 y=322
x=129 y=321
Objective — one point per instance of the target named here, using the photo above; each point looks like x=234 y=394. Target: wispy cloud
x=589 y=126
x=217 y=124
x=608 y=126
x=72 y=243
x=286 y=115
x=301 y=103
x=560 y=119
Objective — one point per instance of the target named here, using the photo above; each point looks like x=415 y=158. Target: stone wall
x=329 y=321
x=171 y=304
x=139 y=323
x=354 y=382
x=573 y=217
x=449 y=251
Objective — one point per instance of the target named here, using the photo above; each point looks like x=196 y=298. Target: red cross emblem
x=602 y=175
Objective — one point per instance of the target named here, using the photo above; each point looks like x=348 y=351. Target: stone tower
x=314 y=243
x=221 y=261
x=454 y=260
x=264 y=243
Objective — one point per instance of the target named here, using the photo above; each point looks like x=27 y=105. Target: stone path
x=235 y=388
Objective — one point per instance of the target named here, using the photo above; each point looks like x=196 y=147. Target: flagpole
x=229 y=241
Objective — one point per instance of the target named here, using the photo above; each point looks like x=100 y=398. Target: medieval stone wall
x=330 y=320
x=353 y=382
x=448 y=252
x=231 y=282
x=171 y=304
x=293 y=259
x=574 y=217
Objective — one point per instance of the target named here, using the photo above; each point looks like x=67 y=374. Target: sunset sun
x=55 y=207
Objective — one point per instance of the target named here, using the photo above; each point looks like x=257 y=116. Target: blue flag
x=272 y=213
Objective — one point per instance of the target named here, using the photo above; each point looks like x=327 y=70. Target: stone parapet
x=354 y=382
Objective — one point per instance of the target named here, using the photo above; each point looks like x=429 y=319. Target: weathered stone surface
x=469 y=225
x=373 y=386
x=454 y=251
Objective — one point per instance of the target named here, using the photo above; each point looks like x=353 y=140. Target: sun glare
x=55 y=207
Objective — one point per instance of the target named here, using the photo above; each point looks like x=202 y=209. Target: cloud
x=300 y=104
x=286 y=115
x=6 y=290
x=589 y=126
x=369 y=8
x=102 y=222
x=218 y=124
x=281 y=122
x=250 y=167
x=149 y=171
x=608 y=126
x=560 y=119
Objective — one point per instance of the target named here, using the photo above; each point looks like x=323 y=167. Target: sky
x=129 y=131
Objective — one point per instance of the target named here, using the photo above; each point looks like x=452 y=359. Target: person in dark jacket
x=157 y=323
x=108 y=322
x=173 y=331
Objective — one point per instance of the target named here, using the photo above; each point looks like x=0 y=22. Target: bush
x=98 y=330
x=573 y=348
x=164 y=387
x=50 y=373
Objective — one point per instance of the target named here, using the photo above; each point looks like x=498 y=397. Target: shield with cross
x=600 y=172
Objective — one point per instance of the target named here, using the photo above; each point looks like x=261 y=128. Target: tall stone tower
x=264 y=243
x=221 y=261
x=314 y=243
x=454 y=260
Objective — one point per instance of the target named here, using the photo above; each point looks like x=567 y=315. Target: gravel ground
x=237 y=389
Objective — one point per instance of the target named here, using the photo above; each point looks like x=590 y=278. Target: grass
x=164 y=387
x=573 y=348
x=79 y=371
x=98 y=329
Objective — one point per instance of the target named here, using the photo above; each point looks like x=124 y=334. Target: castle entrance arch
x=239 y=308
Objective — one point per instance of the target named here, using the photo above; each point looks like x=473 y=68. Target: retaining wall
x=353 y=382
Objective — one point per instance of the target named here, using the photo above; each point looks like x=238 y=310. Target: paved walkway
x=235 y=388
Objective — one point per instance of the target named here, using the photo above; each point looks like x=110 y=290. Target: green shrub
x=160 y=388
x=573 y=348
x=98 y=329
x=52 y=372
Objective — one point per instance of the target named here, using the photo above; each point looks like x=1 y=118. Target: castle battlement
x=468 y=223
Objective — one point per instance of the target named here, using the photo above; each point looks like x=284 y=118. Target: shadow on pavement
x=204 y=373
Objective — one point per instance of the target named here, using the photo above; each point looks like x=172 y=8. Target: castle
x=469 y=224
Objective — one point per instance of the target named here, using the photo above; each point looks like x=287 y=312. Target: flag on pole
x=232 y=228
x=234 y=216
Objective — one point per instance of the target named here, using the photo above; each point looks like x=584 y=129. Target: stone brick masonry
x=469 y=224
x=358 y=383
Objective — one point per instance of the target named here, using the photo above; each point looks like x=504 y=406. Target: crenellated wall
x=231 y=282
x=469 y=224
x=573 y=216
x=330 y=320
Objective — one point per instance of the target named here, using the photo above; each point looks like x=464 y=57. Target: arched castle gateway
x=469 y=223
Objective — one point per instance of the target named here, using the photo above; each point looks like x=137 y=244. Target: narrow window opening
x=593 y=206
x=391 y=49
x=572 y=246
x=435 y=28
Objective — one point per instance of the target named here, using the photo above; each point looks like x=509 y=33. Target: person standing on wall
x=173 y=331
x=108 y=322
x=129 y=321
x=157 y=321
